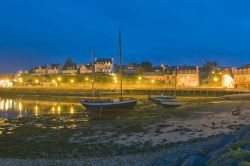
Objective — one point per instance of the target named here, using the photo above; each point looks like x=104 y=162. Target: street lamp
x=140 y=78
x=36 y=81
x=20 y=80
x=71 y=110
x=59 y=109
x=59 y=78
x=216 y=79
x=54 y=82
x=72 y=81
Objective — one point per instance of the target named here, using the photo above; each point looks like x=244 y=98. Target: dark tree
x=147 y=66
x=68 y=62
x=210 y=65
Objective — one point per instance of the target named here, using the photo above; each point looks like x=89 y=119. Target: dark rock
x=236 y=127
x=165 y=160
x=246 y=147
x=246 y=136
x=226 y=161
x=213 y=145
x=194 y=160
x=243 y=131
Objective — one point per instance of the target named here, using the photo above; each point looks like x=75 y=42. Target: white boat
x=160 y=99
x=168 y=101
x=172 y=103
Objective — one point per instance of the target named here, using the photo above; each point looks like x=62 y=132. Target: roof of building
x=247 y=66
x=187 y=68
x=40 y=67
x=88 y=66
x=173 y=69
x=153 y=73
x=55 y=66
x=72 y=67
x=103 y=60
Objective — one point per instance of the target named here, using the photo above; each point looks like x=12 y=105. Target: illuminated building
x=49 y=69
x=5 y=83
x=104 y=65
x=84 y=69
x=242 y=76
x=54 y=69
x=72 y=69
x=187 y=76
x=40 y=70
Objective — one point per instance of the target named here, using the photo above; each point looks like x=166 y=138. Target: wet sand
x=130 y=139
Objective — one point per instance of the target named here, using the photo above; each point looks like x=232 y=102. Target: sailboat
x=108 y=105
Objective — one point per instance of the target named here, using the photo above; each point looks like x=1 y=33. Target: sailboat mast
x=120 y=54
x=93 y=72
x=176 y=72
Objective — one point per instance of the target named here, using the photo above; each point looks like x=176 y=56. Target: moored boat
x=109 y=105
x=160 y=99
x=172 y=103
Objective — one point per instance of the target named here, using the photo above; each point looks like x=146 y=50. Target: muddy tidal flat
x=64 y=133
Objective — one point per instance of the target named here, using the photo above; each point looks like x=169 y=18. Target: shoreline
x=81 y=92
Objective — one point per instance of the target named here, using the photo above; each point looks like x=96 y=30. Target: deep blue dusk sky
x=34 y=32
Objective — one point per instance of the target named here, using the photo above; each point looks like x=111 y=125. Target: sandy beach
x=135 y=138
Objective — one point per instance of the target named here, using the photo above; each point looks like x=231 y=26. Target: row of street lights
x=59 y=79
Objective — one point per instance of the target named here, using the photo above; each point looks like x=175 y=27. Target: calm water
x=13 y=108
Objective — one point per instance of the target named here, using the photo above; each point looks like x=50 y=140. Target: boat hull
x=109 y=106
x=172 y=104
x=158 y=100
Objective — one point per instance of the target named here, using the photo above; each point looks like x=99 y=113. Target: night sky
x=34 y=32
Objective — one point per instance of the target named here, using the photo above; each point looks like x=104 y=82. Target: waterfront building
x=6 y=83
x=170 y=75
x=40 y=70
x=242 y=76
x=70 y=69
x=54 y=69
x=227 y=80
x=187 y=76
x=104 y=65
x=48 y=69
x=85 y=69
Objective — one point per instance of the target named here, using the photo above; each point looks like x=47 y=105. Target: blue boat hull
x=109 y=106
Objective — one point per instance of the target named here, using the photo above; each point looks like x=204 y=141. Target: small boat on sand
x=160 y=99
x=172 y=103
x=167 y=101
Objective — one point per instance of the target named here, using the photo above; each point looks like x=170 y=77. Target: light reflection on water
x=13 y=108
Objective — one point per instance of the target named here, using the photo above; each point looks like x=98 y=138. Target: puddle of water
x=14 y=108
